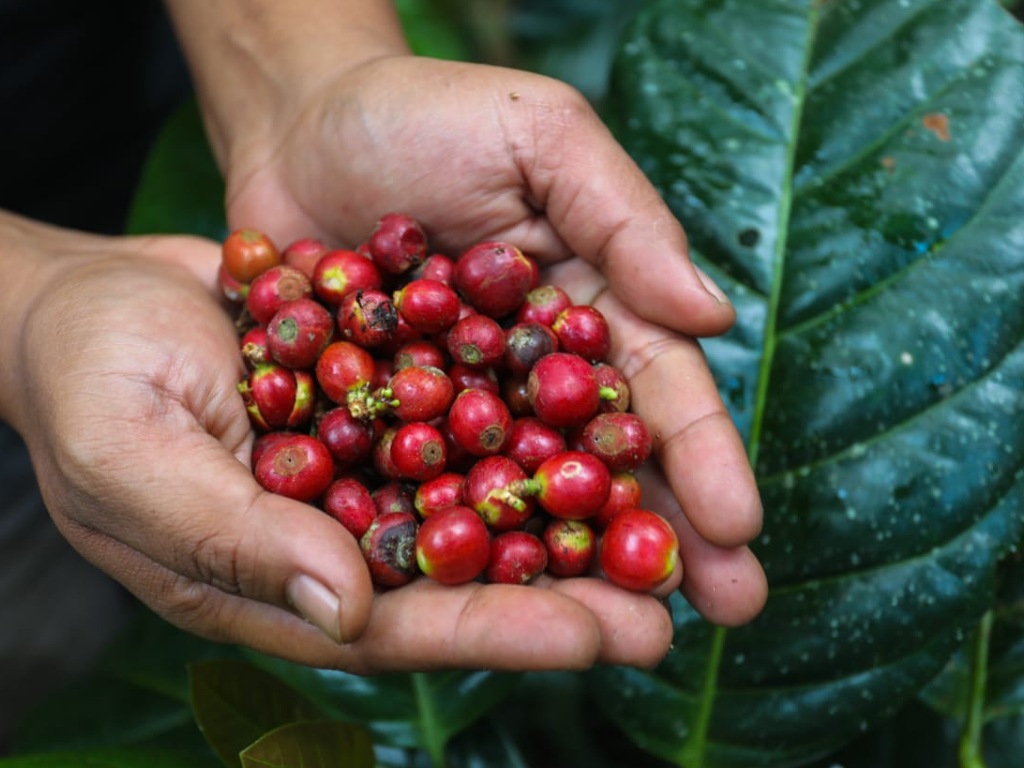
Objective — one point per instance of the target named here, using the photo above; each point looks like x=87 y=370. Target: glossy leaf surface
x=852 y=173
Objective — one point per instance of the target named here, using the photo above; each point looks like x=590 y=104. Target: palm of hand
x=487 y=153
x=142 y=448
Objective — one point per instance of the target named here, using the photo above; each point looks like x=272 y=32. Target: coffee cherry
x=525 y=344
x=253 y=345
x=571 y=547
x=479 y=422
x=463 y=377
x=487 y=490
x=341 y=272
x=515 y=391
x=531 y=442
x=572 y=485
x=397 y=243
x=247 y=253
x=562 y=390
x=639 y=550
x=517 y=557
x=420 y=393
x=624 y=493
x=299 y=467
x=270 y=290
x=367 y=317
x=428 y=305
x=613 y=388
x=349 y=502
x=276 y=397
x=582 y=330
x=542 y=305
x=389 y=549
x=303 y=255
x=347 y=438
x=620 y=440
x=439 y=492
x=298 y=333
x=476 y=341
x=418 y=451
x=421 y=352
x=231 y=289
x=436 y=266
x=380 y=454
x=342 y=368
x=453 y=545
x=395 y=496
x=494 y=277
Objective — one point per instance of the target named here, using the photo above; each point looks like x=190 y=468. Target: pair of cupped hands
x=124 y=372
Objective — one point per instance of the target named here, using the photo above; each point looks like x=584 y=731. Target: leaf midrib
x=694 y=750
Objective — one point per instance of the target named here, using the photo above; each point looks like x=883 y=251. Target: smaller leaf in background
x=311 y=745
x=235 y=703
x=390 y=705
x=181 y=189
x=430 y=31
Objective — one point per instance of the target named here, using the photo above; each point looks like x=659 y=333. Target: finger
x=607 y=212
x=211 y=523
x=426 y=625
x=726 y=585
x=420 y=626
x=696 y=443
x=636 y=629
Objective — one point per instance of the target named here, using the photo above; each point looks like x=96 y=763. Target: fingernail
x=711 y=286
x=317 y=604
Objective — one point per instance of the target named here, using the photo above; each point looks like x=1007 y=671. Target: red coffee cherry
x=639 y=550
x=397 y=243
x=299 y=467
x=494 y=277
x=517 y=557
x=303 y=254
x=479 y=422
x=571 y=547
x=453 y=545
x=418 y=451
x=349 y=502
x=270 y=290
x=298 y=333
x=389 y=549
x=562 y=390
x=583 y=330
x=341 y=272
x=247 y=253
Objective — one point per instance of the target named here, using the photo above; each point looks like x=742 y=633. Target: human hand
x=121 y=378
x=477 y=152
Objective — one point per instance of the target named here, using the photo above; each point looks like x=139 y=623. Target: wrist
x=27 y=273
x=255 y=63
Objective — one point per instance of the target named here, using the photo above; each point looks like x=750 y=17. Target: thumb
x=606 y=211
x=220 y=557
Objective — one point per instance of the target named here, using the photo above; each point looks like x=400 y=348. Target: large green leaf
x=852 y=172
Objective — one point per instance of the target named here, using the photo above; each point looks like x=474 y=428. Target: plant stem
x=974 y=718
x=433 y=739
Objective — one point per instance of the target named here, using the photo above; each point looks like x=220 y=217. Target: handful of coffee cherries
x=456 y=415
